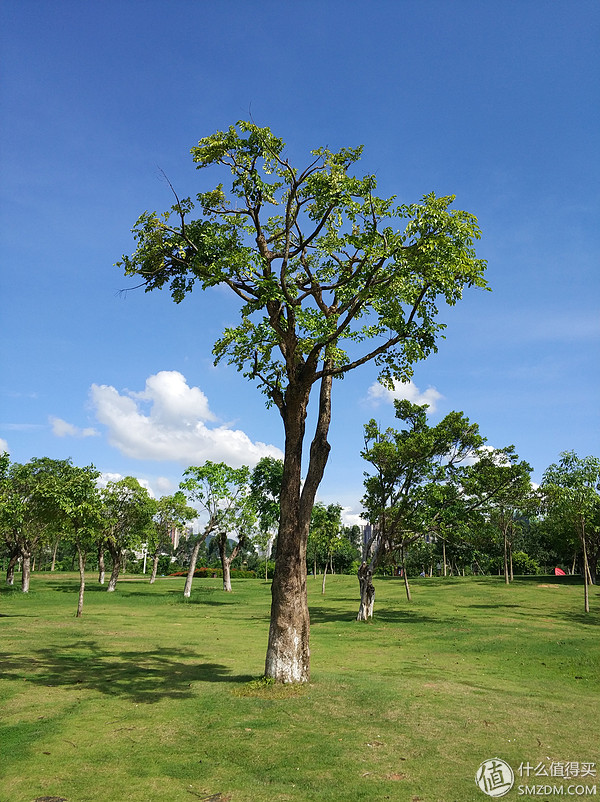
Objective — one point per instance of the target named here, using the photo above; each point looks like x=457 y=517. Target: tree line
x=438 y=500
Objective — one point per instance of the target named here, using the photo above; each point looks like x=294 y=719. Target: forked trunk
x=81 y=556
x=155 y=558
x=190 y=574
x=367 y=592
x=288 y=651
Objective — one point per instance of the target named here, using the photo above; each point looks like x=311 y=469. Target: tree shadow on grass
x=381 y=615
x=141 y=676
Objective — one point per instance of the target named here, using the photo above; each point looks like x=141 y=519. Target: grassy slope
x=146 y=698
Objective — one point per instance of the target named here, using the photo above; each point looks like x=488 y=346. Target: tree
x=325 y=534
x=28 y=511
x=265 y=488
x=414 y=487
x=221 y=492
x=128 y=513
x=241 y=521
x=572 y=492
x=171 y=512
x=328 y=283
x=75 y=492
x=503 y=486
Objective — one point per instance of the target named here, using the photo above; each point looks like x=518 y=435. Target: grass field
x=150 y=698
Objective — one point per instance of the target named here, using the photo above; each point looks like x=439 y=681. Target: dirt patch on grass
x=546 y=585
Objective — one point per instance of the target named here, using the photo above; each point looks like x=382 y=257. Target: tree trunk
x=26 y=571
x=586 y=590
x=404 y=574
x=81 y=582
x=226 y=565
x=10 y=571
x=443 y=556
x=324 y=578
x=155 y=558
x=190 y=574
x=367 y=592
x=288 y=652
x=101 y=566
x=117 y=556
x=54 y=551
x=506 y=576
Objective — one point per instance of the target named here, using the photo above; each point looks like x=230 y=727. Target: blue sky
x=495 y=102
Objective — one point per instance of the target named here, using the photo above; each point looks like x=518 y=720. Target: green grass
x=150 y=698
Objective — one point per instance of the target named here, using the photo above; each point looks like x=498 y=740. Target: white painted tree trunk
x=154 y=568
x=101 y=566
x=81 y=582
x=190 y=574
x=226 y=563
x=26 y=572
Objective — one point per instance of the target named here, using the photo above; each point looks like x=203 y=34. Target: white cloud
x=174 y=427
x=404 y=390
x=61 y=428
x=107 y=477
x=350 y=518
x=4 y=446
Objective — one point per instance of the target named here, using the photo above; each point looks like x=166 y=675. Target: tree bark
x=404 y=574
x=586 y=591
x=101 y=566
x=190 y=574
x=54 y=551
x=288 y=651
x=26 y=571
x=226 y=565
x=10 y=571
x=155 y=558
x=324 y=578
x=81 y=556
x=117 y=557
x=367 y=592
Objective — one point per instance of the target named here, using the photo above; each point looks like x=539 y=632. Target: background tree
x=76 y=494
x=218 y=490
x=238 y=518
x=265 y=488
x=172 y=512
x=502 y=485
x=324 y=536
x=571 y=490
x=28 y=512
x=128 y=511
x=414 y=485
x=328 y=282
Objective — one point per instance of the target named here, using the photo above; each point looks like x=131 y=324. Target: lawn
x=150 y=697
